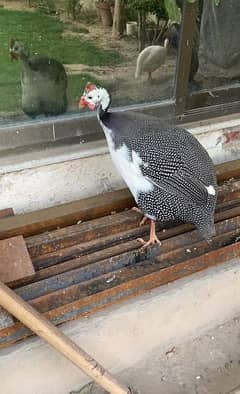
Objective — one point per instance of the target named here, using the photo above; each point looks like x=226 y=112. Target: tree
x=118 y=19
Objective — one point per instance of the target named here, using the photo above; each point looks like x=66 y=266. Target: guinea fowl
x=150 y=59
x=43 y=81
x=169 y=173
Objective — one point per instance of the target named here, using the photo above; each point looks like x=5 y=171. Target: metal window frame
x=202 y=104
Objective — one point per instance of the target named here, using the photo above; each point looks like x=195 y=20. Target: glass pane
x=50 y=49
x=216 y=45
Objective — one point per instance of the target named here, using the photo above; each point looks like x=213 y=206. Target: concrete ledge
x=39 y=178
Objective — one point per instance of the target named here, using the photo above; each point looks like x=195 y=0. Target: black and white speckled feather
x=169 y=173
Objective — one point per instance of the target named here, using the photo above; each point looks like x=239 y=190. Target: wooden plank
x=15 y=260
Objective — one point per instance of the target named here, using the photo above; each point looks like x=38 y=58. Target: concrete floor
x=208 y=364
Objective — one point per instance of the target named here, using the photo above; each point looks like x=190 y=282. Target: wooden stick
x=45 y=329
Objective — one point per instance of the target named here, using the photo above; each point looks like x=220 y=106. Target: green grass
x=44 y=35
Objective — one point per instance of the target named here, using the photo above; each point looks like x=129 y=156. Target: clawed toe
x=153 y=237
x=151 y=241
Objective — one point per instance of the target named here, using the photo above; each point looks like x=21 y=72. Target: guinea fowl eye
x=90 y=97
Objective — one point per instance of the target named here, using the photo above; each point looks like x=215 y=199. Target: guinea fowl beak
x=82 y=103
x=13 y=56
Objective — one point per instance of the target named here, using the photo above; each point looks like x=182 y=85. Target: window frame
x=206 y=103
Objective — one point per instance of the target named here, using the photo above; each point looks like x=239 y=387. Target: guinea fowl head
x=95 y=97
x=18 y=50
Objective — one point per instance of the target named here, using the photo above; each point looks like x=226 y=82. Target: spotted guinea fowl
x=169 y=173
x=43 y=82
x=150 y=59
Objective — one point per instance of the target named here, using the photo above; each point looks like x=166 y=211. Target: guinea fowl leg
x=149 y=76
x=144 y=219
x=153 y=237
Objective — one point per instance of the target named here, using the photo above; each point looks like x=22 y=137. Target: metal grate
x=86 y=266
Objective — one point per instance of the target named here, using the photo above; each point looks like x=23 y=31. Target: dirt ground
x=124 y=87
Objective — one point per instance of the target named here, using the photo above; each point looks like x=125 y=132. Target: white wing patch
x=211 y=190
x=129 y=168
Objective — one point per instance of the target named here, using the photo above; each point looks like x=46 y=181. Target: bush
x=73 y=8
x=144 y=7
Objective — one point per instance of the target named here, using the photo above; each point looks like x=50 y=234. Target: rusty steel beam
x=174 y=249
x=5 y=213
x=55 y=244
x=111 y=250
x=6 y=319
x=67 y=214
x=88 y=266
x=73 y=235
x=83 y=232
x=131 y=270
x=31 y=223
x=228 y=170
x=63 y=260
x=125 y=290
x=42 y=260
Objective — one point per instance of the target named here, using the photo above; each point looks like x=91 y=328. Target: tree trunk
x=118 y=19
x=141 y=30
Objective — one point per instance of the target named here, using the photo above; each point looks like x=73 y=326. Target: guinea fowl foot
x=144 y=219
x=153 y=237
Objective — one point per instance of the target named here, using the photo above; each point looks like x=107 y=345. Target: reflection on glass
x=56 y=47
x=219 y=45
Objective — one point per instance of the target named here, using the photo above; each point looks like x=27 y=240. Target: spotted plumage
x=169 y=173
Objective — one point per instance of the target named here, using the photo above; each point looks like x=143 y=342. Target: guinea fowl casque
x=44 y=82
x=167 y=170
